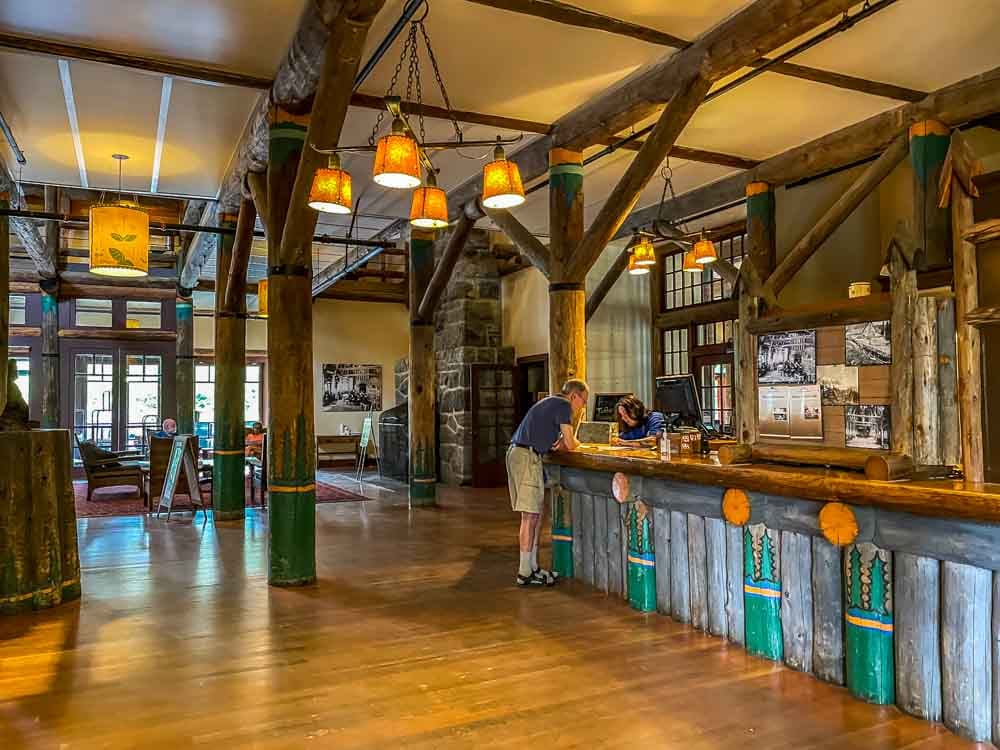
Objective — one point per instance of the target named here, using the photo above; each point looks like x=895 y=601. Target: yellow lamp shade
x=636 y=269
x=397 y=161
x=502 y=187
x=132 y=323
x=331 y=189
x=704 y=250
x=429 y=209
x=643 y=252
x=690 y=264
x=262 y=298
x=119 y=240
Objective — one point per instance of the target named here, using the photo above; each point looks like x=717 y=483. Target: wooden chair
x=258 y=475
x=159 y=457
x=108 y=469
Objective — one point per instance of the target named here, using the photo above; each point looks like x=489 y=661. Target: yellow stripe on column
x=291 y=488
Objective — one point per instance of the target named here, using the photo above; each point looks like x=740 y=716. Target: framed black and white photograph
x=868 y=343
x=351 y=387
x=838 y=384
x=868 y=426
x=787 y=358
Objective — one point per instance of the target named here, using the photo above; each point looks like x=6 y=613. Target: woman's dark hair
x=634 y=408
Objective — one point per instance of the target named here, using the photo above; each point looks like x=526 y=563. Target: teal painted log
x=562 y=533
x=762 y=592
x=735 y=614
x=715 y=553
x=917 y=583
x=680 y=585
x=996 y=658
x=796 y=600
x=869 y=623
x=661 y=545
x=828 y=611
x=966 y=667
x=640 y=535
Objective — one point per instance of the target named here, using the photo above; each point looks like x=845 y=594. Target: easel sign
x=367 y=427
x=180 y=457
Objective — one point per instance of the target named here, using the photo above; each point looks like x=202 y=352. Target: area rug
x=122 y=501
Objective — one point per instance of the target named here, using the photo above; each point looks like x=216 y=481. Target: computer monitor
x=677 y=398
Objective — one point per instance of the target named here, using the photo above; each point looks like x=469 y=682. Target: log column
x=567 y=296
x=228 y=482
x=423 y=376
x=929 y=141
x=4 y=298
x=291 y=427
x=762 y=255
x=50 y=322
x=185 y=364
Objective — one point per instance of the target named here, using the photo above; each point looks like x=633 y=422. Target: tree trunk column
x=423 y=376
x=50 y=322
x=291 y=427
x=228 y=481
x=929 y=141
x=762 y=256
x=4 y=298
x=185 y=365
x=567 y=296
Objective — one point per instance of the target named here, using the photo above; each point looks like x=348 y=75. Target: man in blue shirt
x=548 y=426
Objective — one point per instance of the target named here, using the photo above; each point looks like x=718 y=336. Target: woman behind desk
x=637 y=427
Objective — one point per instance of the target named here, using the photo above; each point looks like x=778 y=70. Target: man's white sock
x=534 y=558
x=525 y=568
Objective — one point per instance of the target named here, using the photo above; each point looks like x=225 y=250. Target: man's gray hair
x=575 y=385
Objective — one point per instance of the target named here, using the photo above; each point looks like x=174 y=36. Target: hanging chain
x=411 y=38
x=440 y=82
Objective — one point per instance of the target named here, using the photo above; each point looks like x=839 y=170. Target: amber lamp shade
x=643 y=252
x=635 y=268
x=119 y=240
x=502 y=186
x=397 y=160
x=132 y=323
x=331 y=189
x=262 y=298
x=429 y=209
x=690 y=264
x=704 y=250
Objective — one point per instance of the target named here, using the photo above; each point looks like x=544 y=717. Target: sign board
x=367 y=427
x=604 y=406
x=181 y=458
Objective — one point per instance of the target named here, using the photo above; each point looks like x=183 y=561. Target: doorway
x=531 y=383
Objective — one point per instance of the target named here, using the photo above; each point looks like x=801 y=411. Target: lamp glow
x=331 y=189
x=397 y=159
x=704 y=250
x=502 y=186
x=643 y=252
x=262 y=298
x=119 y=240
x=634 y=268
x=690 y=264
x=429 y=209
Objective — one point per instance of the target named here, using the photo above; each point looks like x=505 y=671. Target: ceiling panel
x=32 y=101
x=204 y=124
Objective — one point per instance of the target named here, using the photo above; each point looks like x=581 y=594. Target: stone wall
x=468 y=343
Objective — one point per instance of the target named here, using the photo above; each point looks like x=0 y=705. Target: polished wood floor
x=414 y=637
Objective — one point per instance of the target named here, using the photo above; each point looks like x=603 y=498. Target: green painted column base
x=228 y=486
x=642 y=581
x=423 y=492
x=41 y=599
x=871 y=672
x=762 y=613
x=562 y=552
x=292 y=520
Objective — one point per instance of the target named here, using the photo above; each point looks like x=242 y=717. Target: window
x=675 y=352
x=682 y=289
x=142 y=397
x=18 y=309
x=251 y=390
x=93 y=398
x=94 y=313
x=23 y=381
x=141 y=314
x=715 y=333
x=716 y=380
x=204 y=398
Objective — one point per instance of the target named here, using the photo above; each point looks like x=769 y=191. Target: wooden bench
x=329 y=446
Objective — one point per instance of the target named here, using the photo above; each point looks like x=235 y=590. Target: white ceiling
x=492 y=62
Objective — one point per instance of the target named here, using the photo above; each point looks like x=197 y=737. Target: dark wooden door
x=492 y=423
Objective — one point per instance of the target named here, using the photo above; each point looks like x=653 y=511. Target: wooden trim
x=841 y=312
x=128 y=334
x=983 y=231
x=709 y=312
x=983 y=316
x=25 y=331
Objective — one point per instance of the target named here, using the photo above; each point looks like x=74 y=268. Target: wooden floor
x=415 y=637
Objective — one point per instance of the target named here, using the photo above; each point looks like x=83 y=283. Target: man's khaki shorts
x=525 y=479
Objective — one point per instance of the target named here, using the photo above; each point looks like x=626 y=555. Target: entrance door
x=94 y=397
x=141 y=391
x=492 y=423
x=715 y=385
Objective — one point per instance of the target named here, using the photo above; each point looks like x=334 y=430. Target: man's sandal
x=533 y=579
x=550 y=576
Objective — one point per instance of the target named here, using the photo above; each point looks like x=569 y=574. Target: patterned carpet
x=122 y=501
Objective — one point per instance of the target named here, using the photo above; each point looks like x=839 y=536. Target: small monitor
x=604 y=406
x=677 y=398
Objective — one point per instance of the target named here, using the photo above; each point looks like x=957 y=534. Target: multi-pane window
x=142 y=314
x=94 y=313
x=142 y=397
x=204 y=398
x=675 y=352
x=708 y=334
x=683 y=288
x=93 y=398
x=23 y=365
x=18 y=309
x=716 y=381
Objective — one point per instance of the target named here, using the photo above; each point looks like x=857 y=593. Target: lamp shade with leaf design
x=262 y=298
x=331 y=189
x=119 y=239
x=429 y=209
x=502 y=186
x=397 y=159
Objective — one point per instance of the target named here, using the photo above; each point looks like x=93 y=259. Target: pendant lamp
x=502 y=187
x=331 y=189
x=643 y=252
x=429 y=209
x=119 y=235
x=704 y=250
x=397 y=159
x=690 y=264
x=635 y=268
x=262 y=298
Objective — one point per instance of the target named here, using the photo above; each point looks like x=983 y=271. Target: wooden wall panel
x=874 y=384
x=830 y=346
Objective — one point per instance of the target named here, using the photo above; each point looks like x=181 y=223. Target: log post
x=291 y=442
x=657 y=276
x=926 y=392
x=969 y=346
x=763 y=250
x=4 y=298
x=903 y=286
x=229 y=452
x=949 y=434
x=50 y=322
x=567 y=296
x=423 y=376
x=185 y=364
x=929 y=142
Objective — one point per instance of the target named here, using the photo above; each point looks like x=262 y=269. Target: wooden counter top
x=936 y=498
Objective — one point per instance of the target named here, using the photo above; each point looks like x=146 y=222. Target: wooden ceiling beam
x=41 y=254
x=361 y=291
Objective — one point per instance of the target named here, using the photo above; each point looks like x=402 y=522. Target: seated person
x=255 y=440
x=637 y=427
x=167 y=429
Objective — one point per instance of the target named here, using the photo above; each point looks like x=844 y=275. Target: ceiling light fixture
x=119 y=234
x=331 y=189
x=704 y=250
x=429 y=209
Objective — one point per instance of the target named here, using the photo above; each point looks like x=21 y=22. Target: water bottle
x=664 y=446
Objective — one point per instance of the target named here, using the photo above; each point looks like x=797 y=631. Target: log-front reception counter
x=888 y=588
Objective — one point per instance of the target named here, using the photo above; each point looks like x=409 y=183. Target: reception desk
x=884 y=587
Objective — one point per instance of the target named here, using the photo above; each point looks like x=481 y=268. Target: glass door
x=715 y=380
x=93 y=398
x=141 y=397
